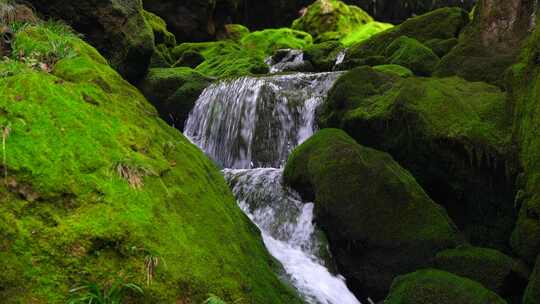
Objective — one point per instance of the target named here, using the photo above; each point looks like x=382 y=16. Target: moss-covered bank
x=94 y=184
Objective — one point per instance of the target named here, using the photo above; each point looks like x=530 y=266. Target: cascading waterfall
x=249 y=126
x=254 y=122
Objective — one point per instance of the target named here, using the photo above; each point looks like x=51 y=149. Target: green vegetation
x=532 y=293
x=364 y=32
x=96 y=182
x=228 y=58
x=524 y=89
x=491 y=268
x=115 y=294
x=410 y=53
x=434 y=286
x=159 y=27
x=174 y=91
x=453 y=135
x=364 y=199
x=394 y=69
x=444 y=23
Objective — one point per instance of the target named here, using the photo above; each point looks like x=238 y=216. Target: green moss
x=453 y=135
x=235 y=32
x=224 y=58
x=441 y=47
x=369 y=207
x=434 y=286
x=228 y=58
x=96 y=183
x=524 y=91
x=162 y=57
x=269 y=41
x=532 y=293
x=364 y=32
x=331 y=20
x=444 y=23
x=159 y=27
x=174 y=91
x=412 y=54
x=323 y=56
x=491 y=268
x=399 y=70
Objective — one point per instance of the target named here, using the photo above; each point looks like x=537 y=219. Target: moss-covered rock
x=410 y=53
x=434 y=286
x=224 y=58
x=444 y=23
x=364 y=32
x=229 y=58
x=174 y=91
x=162 y=57
x=94 y=185
x=378 y=220
x=453 y=135
x=441 y=47
x=323 y=56
x=331 y=19
x=487 y=47
x=493 y=269
x=159 y=27
x=532 y=293
x=271 y=40
x=235 y=32
x=524 y=92
x=394 y=69
x=117 y=29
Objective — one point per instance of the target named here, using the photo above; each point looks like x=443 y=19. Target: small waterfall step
x=249 y=126
x=254 y=122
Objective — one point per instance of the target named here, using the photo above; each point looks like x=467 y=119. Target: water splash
x=256 y=122
x=286 y=60
x=289 y=234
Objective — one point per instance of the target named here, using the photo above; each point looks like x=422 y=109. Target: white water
x=286 y=60
x=251 y=123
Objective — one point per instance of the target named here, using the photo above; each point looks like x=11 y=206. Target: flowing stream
x=249 y=126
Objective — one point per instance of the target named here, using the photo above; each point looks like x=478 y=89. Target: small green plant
x=213 y=299
x=94 y=294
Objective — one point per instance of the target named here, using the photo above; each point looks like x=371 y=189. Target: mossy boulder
x=379 y=221
x=493 y=269
x=162 y=57
x=94 y=184
x=228 y=58
x=235 y=32
x=174 y=91
x=323 y=56
x=223 y=58
x=441 y=47
x=487 y=47
x=444 y=23
x=117 y=29
x=159 y=27
x=271 y=40
x=434 y=286
x=532 y=293
x=394 y=69
x=410 y=53
x=524 y=91
x=364 y=32
x=453 y=135
x=331 y=19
